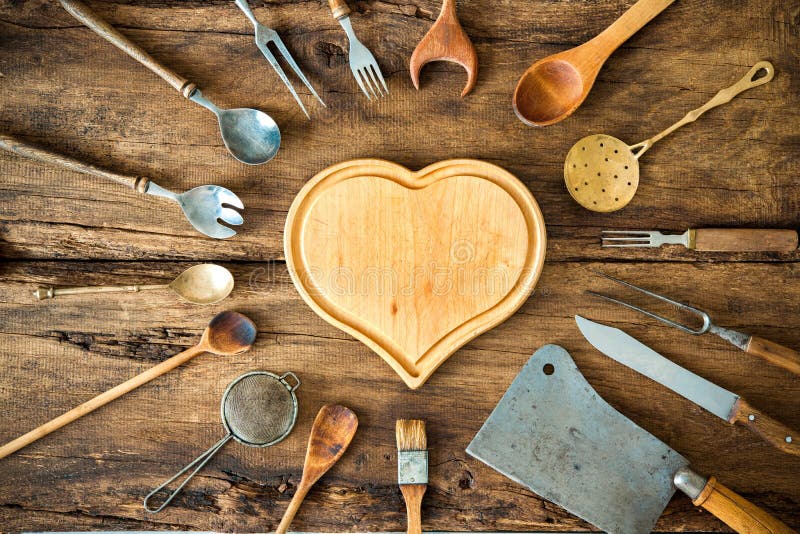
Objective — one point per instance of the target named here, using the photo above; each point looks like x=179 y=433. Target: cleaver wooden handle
x=732 y=509
x=776 y=434
x=743 y=240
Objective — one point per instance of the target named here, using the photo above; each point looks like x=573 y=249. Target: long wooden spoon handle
x=743 y=240
x=630 y=22
x=95 y=22
x=774 y=353
x=776 y=434
x=45 y=156
x=100 y=400
x=294 y=505
x=729 y=507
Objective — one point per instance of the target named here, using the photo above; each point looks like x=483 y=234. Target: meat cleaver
x=552 y=433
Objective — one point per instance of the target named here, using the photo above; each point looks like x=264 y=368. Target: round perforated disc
x=601 y=173
x=259 y=409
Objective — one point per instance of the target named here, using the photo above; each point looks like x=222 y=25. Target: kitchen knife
x=728 y=406
x=552 y=433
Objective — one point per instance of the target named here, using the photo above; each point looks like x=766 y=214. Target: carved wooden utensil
x=227 y=334
x=333 y=430
x=553 y=87
x=446 y=41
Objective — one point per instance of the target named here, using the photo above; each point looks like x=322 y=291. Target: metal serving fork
x=757 y=346
x=707 y=239
x=365 y=69
x=264 y=36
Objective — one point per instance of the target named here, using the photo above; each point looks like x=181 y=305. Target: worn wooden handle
x=39 y=154
x=775 y=433
x=338 y=8
x=737 y=512
x=294 y=505
x=412 y=493
x=744 y=240
x=100 y=400
x=774 y=354
x=630 y=22
x=85 y=14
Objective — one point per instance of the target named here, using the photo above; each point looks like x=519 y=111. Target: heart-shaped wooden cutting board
x=414 y=264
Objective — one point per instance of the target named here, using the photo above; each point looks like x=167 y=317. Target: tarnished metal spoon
x=251 y=136
x=202 y=284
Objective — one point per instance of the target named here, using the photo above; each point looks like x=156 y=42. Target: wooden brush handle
x=774 y=354
x=630 y=22
x=294 y=505
x=412 y=493
x=744 y=240
x=29 y=151
x=100 y=400
x=95 y=22
x=775 y=433
x=339 y=8
x=737 y=512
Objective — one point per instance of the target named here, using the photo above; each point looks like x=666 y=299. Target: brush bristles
x=410 y=434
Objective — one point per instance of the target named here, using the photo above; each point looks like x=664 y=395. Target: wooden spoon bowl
x=229 y=333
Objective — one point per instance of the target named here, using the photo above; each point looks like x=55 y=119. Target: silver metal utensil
x=726 y=405
x=769 y=351
x=707 y=239
x=250 y=135
x=365 y=69
x=200 y=284
x=264 y=36
x=258 y=409
x=203 y=205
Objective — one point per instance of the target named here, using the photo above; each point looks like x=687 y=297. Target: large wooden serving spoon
x=333 y=430
x=227 y=334
x=553 y=87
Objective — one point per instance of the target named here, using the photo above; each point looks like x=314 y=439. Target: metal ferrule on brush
x=412 y=467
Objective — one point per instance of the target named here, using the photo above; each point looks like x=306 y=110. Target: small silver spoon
x=202 y=284
x=251 y=136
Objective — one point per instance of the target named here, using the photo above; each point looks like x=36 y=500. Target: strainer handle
x=294 y=379
x=202 y=460
x=722 y=97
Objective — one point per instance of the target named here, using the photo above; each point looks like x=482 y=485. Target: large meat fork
x=264 y=36
x=203 y=205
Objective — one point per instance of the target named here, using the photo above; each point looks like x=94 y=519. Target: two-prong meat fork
x=264 y=36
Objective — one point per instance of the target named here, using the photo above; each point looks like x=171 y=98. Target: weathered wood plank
x=54 y=354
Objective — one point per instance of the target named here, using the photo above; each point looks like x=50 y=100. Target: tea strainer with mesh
x=258 y=409
x=602 y=172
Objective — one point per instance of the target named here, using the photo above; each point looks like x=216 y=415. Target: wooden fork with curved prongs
x=446 y=41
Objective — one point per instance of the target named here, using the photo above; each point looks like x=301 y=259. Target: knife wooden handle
x=97 y=24
x=744 y=240
x=737 y=512
x=774 y=353
x=770 y=430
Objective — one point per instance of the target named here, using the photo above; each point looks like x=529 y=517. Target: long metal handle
x=722 y=97
x=43 y=292
x=16 y=146
x=203 y=459
x=97 y=24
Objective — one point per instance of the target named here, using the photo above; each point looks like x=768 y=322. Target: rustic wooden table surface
x=64 y=88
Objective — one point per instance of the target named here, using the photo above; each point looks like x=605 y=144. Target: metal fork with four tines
x=365 y=69
x=264 y=36
x=708 y=239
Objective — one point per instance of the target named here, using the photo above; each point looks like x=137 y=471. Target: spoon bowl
x=550 y=90
x=228 y=333
x=203 y=284
x=251 y=135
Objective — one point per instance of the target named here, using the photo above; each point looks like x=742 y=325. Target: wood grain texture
x=744 y=240
x=67 y=90
x=738 y=513
x=414 y=263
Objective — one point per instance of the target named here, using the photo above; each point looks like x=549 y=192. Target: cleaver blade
x=555 y=435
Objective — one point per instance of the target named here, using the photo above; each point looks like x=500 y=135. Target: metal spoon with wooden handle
x=333 y=430
x=200 y=284
x=227 y=334
x=251 y=136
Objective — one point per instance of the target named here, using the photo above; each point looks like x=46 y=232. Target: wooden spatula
x=333 y=429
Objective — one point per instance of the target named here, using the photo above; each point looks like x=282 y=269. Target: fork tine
x=369 y=69
x=290 y=60
x=379 y=74
x=363 y=81
x=230 y=216
x=648 y=233
x=275 y=65
x=226 y=196
x=628 y=245
x=360 y=83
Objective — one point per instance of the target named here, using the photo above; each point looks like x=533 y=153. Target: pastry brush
x=412 y=468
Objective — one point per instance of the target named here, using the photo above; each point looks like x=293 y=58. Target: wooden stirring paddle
x=333 y=430
x=446 y=41
x=227 y=334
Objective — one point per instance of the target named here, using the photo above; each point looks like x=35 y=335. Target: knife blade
x=726 y=405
